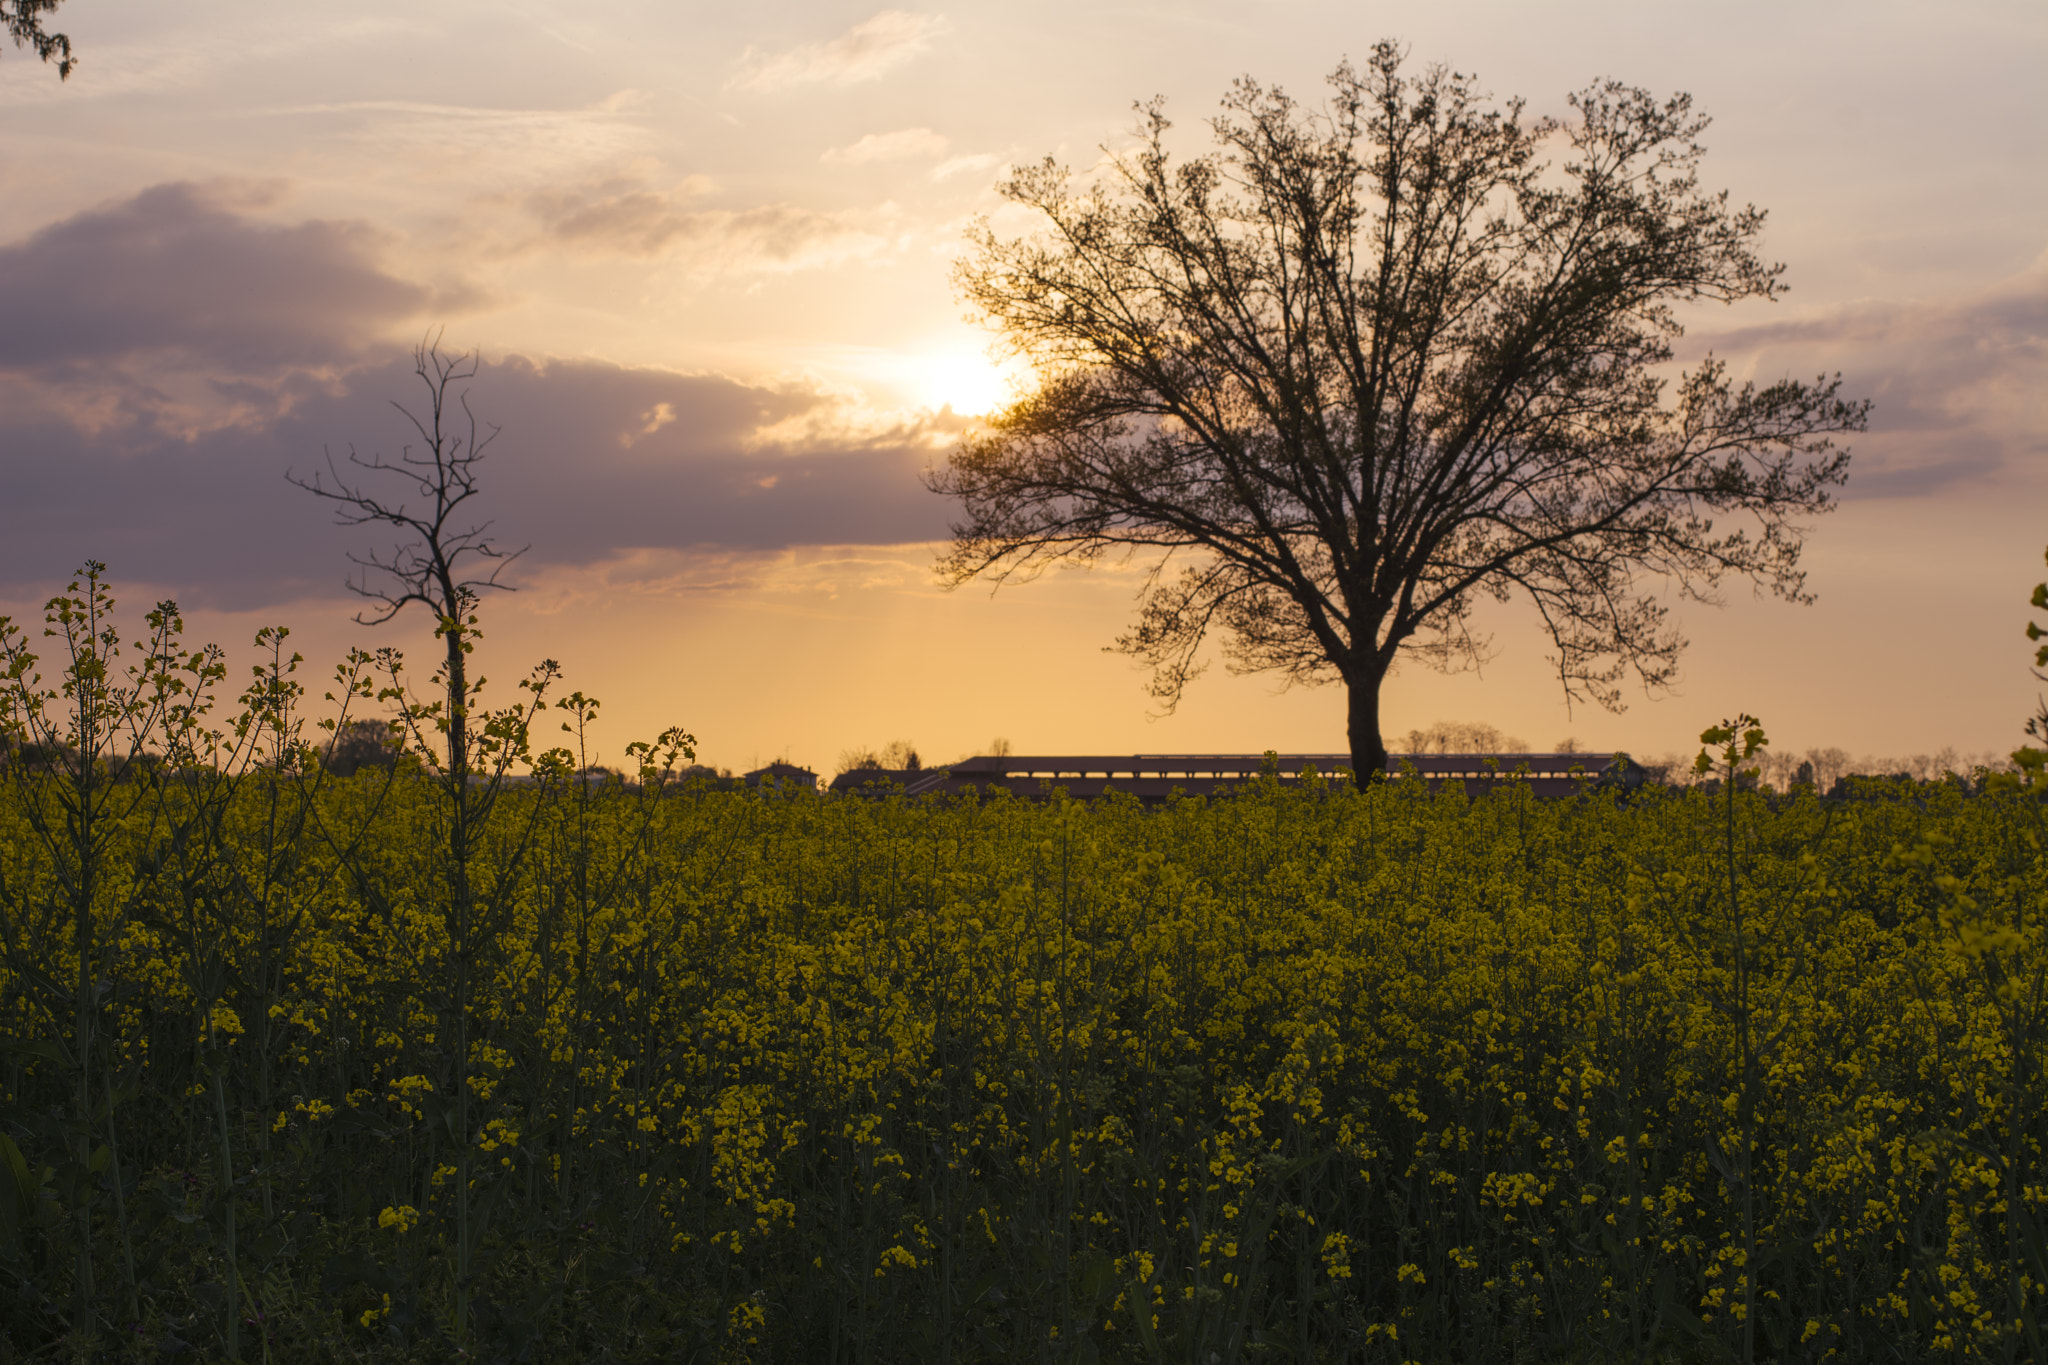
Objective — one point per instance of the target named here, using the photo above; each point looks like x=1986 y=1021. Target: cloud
x=979 y=161
x=865 y=52
x=183 y=57
x=1955 y=383
x=901 y=145
x=172 y=356
x=593 y=461
x=626 y=217
x=184 y=269
x=822 y=573
x=476 y=145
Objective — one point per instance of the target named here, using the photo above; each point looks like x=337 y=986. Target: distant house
x=1153 y=777
x=781 y=777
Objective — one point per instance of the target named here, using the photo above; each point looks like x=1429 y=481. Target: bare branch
x=430 y=562
x=438 y=560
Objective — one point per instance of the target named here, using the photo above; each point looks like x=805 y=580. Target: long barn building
x=1153 y=777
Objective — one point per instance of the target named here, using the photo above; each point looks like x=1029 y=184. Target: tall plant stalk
x=77 y=739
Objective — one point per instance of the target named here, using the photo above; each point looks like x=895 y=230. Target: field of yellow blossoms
x=299 y=1070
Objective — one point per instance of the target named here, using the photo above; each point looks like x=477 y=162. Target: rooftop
x=1153 y=777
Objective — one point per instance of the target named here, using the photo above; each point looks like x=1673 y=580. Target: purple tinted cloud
x=168 y=359
x=1956 y=383
x=574 y=472
x=181 y=268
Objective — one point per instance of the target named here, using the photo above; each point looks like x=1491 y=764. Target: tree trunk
x=1368 y=748
x=460 y=944
x=458 y=694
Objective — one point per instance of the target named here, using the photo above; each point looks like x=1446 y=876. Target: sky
x=704 y=256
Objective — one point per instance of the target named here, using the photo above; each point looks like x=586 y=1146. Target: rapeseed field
x=311 y=1068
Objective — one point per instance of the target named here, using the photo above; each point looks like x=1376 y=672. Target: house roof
x=782 y=774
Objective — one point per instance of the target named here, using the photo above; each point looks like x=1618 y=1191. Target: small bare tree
x=431 y=564
x=898 y=755
x=440 y=562
x=1464 y=737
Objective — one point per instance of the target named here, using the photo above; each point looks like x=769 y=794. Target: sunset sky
x=704 y=251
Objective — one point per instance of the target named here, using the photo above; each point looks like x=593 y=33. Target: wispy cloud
x=959 y=165
x=865 y=52
x=624 y=217
x=161 y=64
x=901 y=145
x=478 y=144
x=1955 y=382
x=665 y=575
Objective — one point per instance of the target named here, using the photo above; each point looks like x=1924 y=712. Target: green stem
x=120 y=1201
x=227 y=1187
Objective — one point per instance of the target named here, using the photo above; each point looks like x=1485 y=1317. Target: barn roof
x=1153 y=777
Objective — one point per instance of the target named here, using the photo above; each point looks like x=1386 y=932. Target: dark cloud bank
x=1957 y=384
x=181 y=269
x=167 y=359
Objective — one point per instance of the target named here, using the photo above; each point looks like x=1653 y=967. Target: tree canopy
x=25 y=20
x=1363 y=365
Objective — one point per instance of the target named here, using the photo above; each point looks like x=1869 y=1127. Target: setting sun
x=969 y=384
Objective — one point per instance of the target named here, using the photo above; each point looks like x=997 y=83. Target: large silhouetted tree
x=25 y=22
x=1361 y=366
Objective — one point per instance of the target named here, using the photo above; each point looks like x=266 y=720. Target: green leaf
x=48 y=1049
